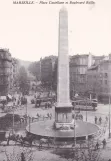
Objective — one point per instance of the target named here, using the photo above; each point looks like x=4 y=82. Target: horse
x=12 y=137
x=29 y=139
x=45 y=141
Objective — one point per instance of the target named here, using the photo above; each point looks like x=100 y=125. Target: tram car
x=85 y=105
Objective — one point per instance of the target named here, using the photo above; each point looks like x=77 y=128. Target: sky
x=30 y=31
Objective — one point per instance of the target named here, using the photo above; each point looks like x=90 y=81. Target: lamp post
x=109 y=97
x=29 y=123
x=86 y=109
x=13 y=118
x=26 y=111
x=74 y=128
x=109 y=115
x=74 y=132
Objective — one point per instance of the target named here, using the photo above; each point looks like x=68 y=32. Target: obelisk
x=63 y=109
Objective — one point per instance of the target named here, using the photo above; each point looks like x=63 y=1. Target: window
x=101 y=81
x=100 y=75
x=106 y=82
x=106 y=75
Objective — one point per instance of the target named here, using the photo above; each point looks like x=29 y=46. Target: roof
x=93 y=67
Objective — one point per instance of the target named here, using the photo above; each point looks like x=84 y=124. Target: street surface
x=102 y=110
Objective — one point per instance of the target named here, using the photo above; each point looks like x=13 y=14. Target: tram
x=85 y=105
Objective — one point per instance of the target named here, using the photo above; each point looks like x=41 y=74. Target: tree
x=18 y=154
x=34 y=68
x=23 y=81
x=83 y=152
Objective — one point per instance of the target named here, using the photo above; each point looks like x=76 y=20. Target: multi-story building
x=104 y=71
x=93 y=85
x=78 y=67
x=47 y=68
x=14 y=71
x=97 y=59
x=99 y=80
x=5 y=71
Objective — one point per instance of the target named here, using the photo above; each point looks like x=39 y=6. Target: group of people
x=49 y=115
x=100 y=120
x=98 y=144
x=48 y=105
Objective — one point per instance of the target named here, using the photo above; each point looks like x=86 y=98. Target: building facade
x=99 y=80
x=14 y=72
x=93 y=85
x=5 y=71
x=78 y=67
x=104 y=71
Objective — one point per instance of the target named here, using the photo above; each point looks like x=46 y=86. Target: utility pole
x=109 y=97
x=13 y=118
x=86 y=109
x=74 y=131
x=74 y=134
x=26 y=111
x=109 y=115
x=29 y=123
x=73 y=90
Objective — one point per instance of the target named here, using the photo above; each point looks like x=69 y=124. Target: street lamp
x=109 y=115
x=74 y=131
x=86 y=109
x=26 y=111
x=29 y=123
x=74 y=128
x=13 y=118
x=109 y=96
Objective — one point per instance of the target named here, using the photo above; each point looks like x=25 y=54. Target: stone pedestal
x=63 y=109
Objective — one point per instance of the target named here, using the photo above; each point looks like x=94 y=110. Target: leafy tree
x=34 y=68
x=23 y=81
x=85 y=152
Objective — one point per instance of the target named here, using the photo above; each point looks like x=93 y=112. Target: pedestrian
x=50 y=116
x=22 y=157
x=38 y=115
x=18 y=102
x=104 y=143
x=100 y=120
x=48 y=105
x=82 y=117
x=96 y=119
x=106 y=119
x=45 y=105
x=97 y=146
x=8 y=139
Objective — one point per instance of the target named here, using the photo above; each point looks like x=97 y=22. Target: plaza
x=56 y=126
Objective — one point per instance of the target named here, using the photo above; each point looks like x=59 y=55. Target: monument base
x=63 y=117
x=64 y=126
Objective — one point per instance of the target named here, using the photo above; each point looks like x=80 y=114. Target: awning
x=3 y=98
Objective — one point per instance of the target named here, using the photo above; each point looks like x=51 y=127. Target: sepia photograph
x=55 y=80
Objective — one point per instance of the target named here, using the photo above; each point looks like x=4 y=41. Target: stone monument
x=63 y=109
x=62 y=127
